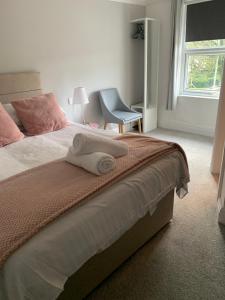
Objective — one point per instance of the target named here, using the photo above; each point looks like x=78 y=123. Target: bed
x=75 y=253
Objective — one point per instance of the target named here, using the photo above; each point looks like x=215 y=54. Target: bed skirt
x=99 y=267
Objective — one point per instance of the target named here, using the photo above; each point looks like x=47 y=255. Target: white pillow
x=11 y=111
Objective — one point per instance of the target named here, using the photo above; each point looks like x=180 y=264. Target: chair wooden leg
x=105 y=125
x=122 y=128
x=139 y=126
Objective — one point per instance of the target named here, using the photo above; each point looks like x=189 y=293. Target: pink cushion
x=9 y=132
x=40 y=114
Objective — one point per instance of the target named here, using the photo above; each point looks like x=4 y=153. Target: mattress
x=40 y=268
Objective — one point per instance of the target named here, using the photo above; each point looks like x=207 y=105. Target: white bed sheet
x=40 y=268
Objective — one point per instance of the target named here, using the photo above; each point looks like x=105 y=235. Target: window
x=203 y=68
x=203 y=48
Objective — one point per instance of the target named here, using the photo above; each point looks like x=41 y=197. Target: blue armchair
x=116 y=111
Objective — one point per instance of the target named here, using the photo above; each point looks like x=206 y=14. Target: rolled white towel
x=97 y=163
x=89 y=143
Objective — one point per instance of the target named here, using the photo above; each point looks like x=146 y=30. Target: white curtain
x=219 y=139
x=177 y=35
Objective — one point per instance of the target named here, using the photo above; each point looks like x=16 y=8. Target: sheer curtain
x=177 y=35
x=219 y=139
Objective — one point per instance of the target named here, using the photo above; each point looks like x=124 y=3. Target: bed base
x=99 y=267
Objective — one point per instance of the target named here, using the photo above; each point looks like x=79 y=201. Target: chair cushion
x=127 y=117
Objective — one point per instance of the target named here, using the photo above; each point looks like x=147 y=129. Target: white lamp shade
x=80 y=96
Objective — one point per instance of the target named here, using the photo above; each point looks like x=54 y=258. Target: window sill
x=198 y=97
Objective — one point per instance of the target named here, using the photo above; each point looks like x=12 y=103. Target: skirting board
x=186 y=127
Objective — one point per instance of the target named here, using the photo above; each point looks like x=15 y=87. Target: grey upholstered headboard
x=14 y=86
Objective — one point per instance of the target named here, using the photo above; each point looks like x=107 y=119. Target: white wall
x=72 y=43
x=194 y=115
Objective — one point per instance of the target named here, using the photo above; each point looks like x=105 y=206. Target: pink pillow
x=40 y=114
x=9 y=132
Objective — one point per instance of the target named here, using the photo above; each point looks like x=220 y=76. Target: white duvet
x=40 y=268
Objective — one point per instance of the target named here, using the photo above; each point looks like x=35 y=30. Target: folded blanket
x=97 y=163
x=89 y=143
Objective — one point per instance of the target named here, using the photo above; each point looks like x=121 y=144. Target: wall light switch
x=70 y=101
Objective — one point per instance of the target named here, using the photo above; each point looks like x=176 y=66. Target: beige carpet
x=186 y=260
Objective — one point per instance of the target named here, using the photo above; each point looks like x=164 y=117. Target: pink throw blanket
x=32 y=199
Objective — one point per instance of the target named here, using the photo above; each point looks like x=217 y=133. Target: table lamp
x=80 y=97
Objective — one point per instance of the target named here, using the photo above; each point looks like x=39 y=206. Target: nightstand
x=139 y=107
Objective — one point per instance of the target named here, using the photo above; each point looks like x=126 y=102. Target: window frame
x=186 y=52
